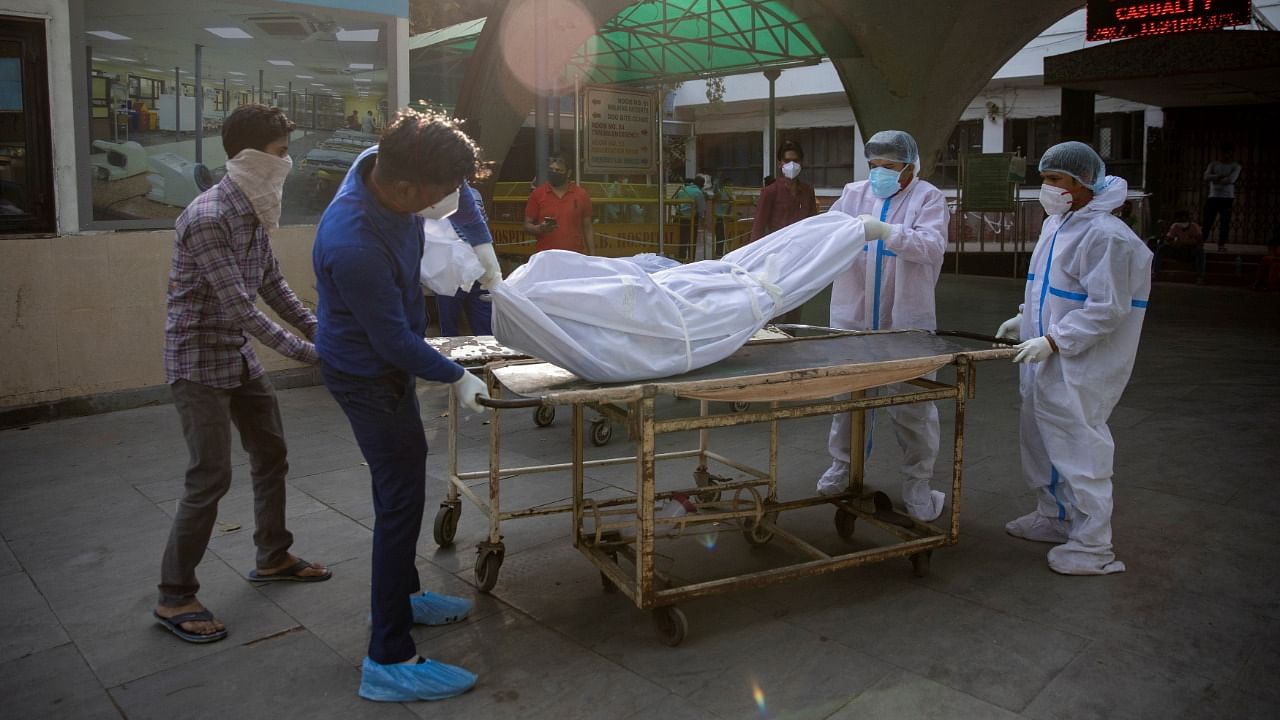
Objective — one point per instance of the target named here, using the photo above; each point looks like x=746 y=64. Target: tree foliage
x=427 y=15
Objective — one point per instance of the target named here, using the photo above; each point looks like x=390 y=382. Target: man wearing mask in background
x=890 y=286
x=559 y=212
x=788 y=200
x=222 y=261
x=1081 y=317
x=367 y=257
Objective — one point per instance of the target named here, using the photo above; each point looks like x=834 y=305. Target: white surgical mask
x=1054 y=200
x=791 y=169
x=447 y=206
x=260 y=176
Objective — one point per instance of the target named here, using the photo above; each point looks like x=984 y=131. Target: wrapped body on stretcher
x=608 y=320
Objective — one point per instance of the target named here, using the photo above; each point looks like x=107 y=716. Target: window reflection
x=157 y=101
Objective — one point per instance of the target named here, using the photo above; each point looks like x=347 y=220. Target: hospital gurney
x=796 y=377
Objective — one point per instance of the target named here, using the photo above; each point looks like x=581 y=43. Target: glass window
x=732 y=156
x=26 y=180
x=162 y=82
x=966 y=139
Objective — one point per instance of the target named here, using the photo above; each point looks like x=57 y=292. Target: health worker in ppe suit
x=890 y=285
x=1081 y=316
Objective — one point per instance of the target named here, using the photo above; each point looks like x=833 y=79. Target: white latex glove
x=874 y=229
x=1010 y=328
x=467 y=387
x=1034 y=350
x=489 y=261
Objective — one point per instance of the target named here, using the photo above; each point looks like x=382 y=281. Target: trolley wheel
x=741 y=406
x=670 y=624
x=845 y=522
x=446 y=525
x=704 y=479
x=601 y=432
x=920 y=563
x=757 y=534
x=544 y=415
x=488 y=563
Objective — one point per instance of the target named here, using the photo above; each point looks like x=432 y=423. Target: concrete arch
x=905 y=64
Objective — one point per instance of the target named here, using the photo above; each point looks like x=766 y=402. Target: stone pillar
x=993 y=133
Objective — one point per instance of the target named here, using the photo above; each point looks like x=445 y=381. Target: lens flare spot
x=758 y=695
x=708 y=540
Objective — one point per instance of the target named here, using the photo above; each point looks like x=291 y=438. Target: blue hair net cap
x=1077 y=160
x=894 y=146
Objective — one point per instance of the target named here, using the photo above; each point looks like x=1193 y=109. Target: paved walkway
x=1192 y=630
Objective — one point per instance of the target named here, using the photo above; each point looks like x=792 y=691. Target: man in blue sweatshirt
x=370 y=341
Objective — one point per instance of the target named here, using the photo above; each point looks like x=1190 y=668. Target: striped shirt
x=222 y=261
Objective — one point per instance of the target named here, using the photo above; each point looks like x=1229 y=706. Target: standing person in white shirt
x=890 y=286
x=1222 y=175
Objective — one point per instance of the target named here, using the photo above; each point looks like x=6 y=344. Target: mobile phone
x=549 y=220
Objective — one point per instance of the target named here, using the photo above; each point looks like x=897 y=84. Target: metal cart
x=795 y=378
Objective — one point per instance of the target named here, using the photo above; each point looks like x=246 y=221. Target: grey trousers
x=207 y=414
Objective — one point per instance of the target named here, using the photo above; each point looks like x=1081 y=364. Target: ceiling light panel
x=230 y=33
x=286 y=63
x=358 y=35
x=108 y=35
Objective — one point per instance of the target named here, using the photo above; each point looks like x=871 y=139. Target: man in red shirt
x=786 y=201
x=559 y=213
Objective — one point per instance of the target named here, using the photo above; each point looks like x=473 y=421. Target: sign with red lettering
x=1115 y=19
x=621 y=131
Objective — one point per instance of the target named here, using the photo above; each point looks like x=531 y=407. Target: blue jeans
x=475 y=302
x=385 y=420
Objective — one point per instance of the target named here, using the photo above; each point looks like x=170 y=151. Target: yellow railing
x=625 y=221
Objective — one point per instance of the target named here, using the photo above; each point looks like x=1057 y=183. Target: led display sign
x=1115 y=19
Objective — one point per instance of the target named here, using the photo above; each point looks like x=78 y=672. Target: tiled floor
x=1191 y=630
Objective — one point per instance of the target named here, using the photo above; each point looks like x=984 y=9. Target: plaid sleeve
x=282 y=299
x=208 y=243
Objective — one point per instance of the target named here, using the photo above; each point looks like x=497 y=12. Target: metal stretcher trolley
x=784 y=378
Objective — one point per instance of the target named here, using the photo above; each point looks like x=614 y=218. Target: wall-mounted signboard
x=1115 y=19
x=620 y=131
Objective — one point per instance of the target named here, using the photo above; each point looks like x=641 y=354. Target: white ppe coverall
x=890 y=285
x=1087 y=288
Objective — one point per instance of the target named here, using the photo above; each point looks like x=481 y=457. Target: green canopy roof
x=668 y=41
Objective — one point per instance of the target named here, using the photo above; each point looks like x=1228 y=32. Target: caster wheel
x=920 y=563
x=601 y=432
x=844 y=524
x=488 y=563
x=741 y=406
x=671 y=625
x=758 y=534
x=704 y=479
x=544 y=415
x=446 y=525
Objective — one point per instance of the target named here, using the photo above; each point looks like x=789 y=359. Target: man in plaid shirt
x=222 y=261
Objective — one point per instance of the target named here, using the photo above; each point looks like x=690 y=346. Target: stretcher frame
x=628 y=527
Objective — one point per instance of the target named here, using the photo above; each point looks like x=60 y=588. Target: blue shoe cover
x=432 y=609
x=428 y=680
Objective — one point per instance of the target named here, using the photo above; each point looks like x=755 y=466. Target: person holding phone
x=565 y=209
